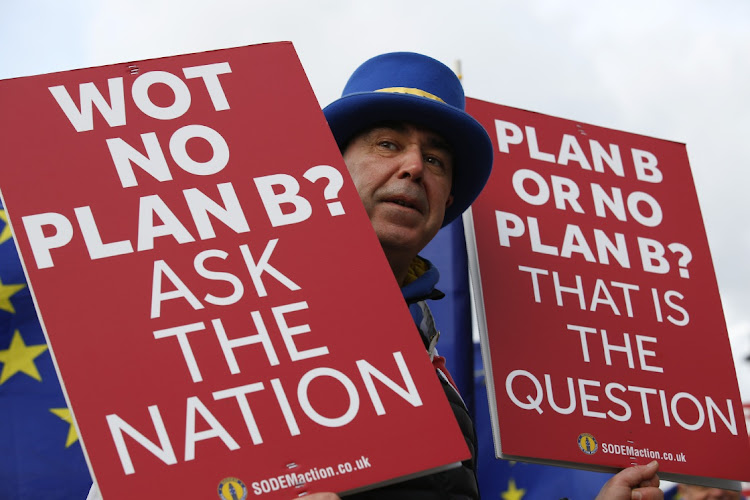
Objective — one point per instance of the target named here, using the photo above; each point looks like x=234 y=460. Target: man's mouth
x=404 y=203
x=412 y=204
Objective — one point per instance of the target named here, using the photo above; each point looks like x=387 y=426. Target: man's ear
x=449 y=201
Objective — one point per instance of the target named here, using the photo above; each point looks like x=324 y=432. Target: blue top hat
x=404 y=86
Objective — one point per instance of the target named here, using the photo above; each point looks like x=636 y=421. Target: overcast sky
x=672 y=69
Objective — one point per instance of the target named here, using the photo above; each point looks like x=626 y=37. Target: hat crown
x=408 y=72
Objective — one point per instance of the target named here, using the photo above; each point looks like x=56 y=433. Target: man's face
x=403 y=174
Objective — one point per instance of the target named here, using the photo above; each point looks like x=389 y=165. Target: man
x=418 y=161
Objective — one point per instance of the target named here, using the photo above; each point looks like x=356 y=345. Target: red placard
x=218 y=306
x=604 y=331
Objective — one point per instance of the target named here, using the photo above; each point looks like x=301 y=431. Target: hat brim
x=472 y=147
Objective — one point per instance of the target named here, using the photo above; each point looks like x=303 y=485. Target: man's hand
x=639 y=482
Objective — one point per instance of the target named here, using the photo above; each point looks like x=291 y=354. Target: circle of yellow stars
x=19 y=357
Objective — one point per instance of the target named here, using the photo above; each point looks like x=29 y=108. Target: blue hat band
x=411 y=91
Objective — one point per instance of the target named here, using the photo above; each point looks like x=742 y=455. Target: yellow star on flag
x=513 y=493
x=6 y=292
x=20 y=358
x=64 y=414
x=5 y=235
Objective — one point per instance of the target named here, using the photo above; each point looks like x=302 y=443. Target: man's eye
x=434 y=160
x=387 y=145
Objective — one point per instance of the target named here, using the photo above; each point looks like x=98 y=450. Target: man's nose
x=412 y=163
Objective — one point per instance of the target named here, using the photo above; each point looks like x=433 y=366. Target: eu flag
x=40 y=456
